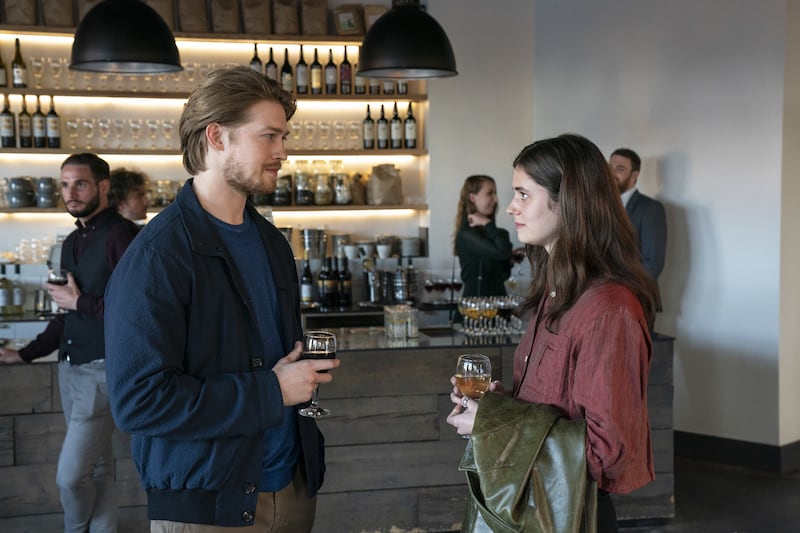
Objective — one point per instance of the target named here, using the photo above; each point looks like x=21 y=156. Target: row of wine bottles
x=19 y=70
x=318 y=79
x=333 y=288
x=395 y=133
x=36 y=130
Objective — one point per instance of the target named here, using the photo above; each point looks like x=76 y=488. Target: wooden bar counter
x=392 y=461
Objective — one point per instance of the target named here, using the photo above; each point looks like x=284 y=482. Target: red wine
x=318 y=355
x=57 y=281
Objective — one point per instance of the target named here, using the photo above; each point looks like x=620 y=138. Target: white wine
x=53 y=126
x=473 y=386
x=19 y=71
x=383 y=131
x=369 y=131
x=396 y=130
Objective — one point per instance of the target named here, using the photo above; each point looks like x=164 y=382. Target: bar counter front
x=392 y=460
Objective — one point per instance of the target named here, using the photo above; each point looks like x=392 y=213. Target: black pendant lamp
x=124 y=36
x=406 y=43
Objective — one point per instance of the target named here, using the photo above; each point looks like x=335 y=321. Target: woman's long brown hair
x=595 y=239
x=472 y=185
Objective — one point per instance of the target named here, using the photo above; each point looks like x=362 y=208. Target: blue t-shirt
x=281 y=446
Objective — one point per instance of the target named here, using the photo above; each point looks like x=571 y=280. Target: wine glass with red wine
x=473 y=375
x=57 y=276
x=317 y=345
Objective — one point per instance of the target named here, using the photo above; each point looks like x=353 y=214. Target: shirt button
x=250 y=488
x=69 y=341
x=247 y=516
x=256 y=362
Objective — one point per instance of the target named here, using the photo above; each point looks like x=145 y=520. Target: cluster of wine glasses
x=100 y=133
x=54 y=73
x=439 y=290
x=324 y=135
x=490 y=315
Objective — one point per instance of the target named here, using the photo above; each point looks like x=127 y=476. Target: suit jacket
x=650 y=222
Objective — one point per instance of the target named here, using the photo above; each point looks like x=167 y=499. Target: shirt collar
x=626 y=196
x=95 y=220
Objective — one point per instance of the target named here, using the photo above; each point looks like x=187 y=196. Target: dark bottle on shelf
x=396 y=130
x=53 y=126
x=25 y=126
x=301 y=73
x=345 y=75
x=369 y=131
x=39 y=126
x=271 y=68
x=331 y=75
x=19 y=71
x=255 y=62
x=383 y=131
x=410 y=127
x=8 y=126
x=345 y=285
x=336 y=284
x=3 y=73
x=287 y=75
x=306 y=281
x=316 y=74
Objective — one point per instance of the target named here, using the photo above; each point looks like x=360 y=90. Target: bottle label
x=397 y=134
x=302 y=78
x=19 y=76
x=306 y=293
x=316 y=78
x=24 y=126
x=17 y=296
x=369 y=133
x=39 y=126
x=287 y=82
x=383 y=132
x=272 y=72
x=411 y=131
x=7 y=126
x=330 y=76
x=53 y=126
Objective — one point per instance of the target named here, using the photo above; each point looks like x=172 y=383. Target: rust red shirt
x=593 y=364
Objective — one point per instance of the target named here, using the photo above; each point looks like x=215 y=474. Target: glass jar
x=323 y=193
x=341 y=189
x=283 y=190
x=303 y=192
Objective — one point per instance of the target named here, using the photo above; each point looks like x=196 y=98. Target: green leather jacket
x=526 y=471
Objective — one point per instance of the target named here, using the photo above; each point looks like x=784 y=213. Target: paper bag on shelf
x=192 y=16
x=384 y=186
x=257 y=16
x=20 y=12
x=57 y=13
x=284 y=17
x=225 y=16
x=165 y=9
x=314 y=16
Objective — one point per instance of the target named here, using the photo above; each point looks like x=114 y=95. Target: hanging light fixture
x=406 y=42
x=124 y=36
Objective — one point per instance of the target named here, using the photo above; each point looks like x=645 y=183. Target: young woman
x=483 y=249
x=587 y=347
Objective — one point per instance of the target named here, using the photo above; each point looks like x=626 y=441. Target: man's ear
x=214 y=136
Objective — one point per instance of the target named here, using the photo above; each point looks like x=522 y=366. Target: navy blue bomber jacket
x=185 y=377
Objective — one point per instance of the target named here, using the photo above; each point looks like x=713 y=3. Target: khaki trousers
x=289 y=510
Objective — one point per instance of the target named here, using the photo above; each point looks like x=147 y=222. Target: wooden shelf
x=129 y=151
x=275 y=208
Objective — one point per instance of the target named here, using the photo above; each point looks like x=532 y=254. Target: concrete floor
x=711 y=498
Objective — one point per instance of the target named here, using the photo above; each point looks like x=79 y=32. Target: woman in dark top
x=483 y=249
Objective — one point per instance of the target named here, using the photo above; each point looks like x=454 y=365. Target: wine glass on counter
x=317 y=345
x=473 y=376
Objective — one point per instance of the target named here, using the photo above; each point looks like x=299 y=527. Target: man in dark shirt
x=85 y=474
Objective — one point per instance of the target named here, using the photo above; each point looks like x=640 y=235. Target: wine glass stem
x=315 y=397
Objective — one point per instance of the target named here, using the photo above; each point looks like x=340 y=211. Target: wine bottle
x=331 y=75
x=369 y=131
x=301 y=71
x=388 y=86
x=383 y=131
x=25 y=126
x=271 y=68
x=19 y=71
x=39 y=126
x=306 y=281
x=374 y=86
x=53 y=126
x=345 y=286
x=360 y=83
x=3 y=73
x=316 y=75
x=287 y=75
x=5 y=292
x=255 y=62
x=345 y=75
x=8 y=129
x=396 y=130
x=335 y=284
x=17 y=293
x=410 y=127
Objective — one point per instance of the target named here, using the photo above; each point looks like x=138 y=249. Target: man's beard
x=236 y=179
x=89 y=208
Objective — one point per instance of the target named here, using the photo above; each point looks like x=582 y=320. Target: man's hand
x=298 y=379
x=10 y=356
x=65 y=296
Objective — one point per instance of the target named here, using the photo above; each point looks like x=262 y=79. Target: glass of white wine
x=473 y=375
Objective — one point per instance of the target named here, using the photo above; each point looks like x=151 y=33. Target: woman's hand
x=477 y=219
x=462 y=417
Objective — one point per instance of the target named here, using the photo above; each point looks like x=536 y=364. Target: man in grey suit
x=646 y=214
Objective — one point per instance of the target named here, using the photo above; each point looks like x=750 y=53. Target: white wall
x=697 y=89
